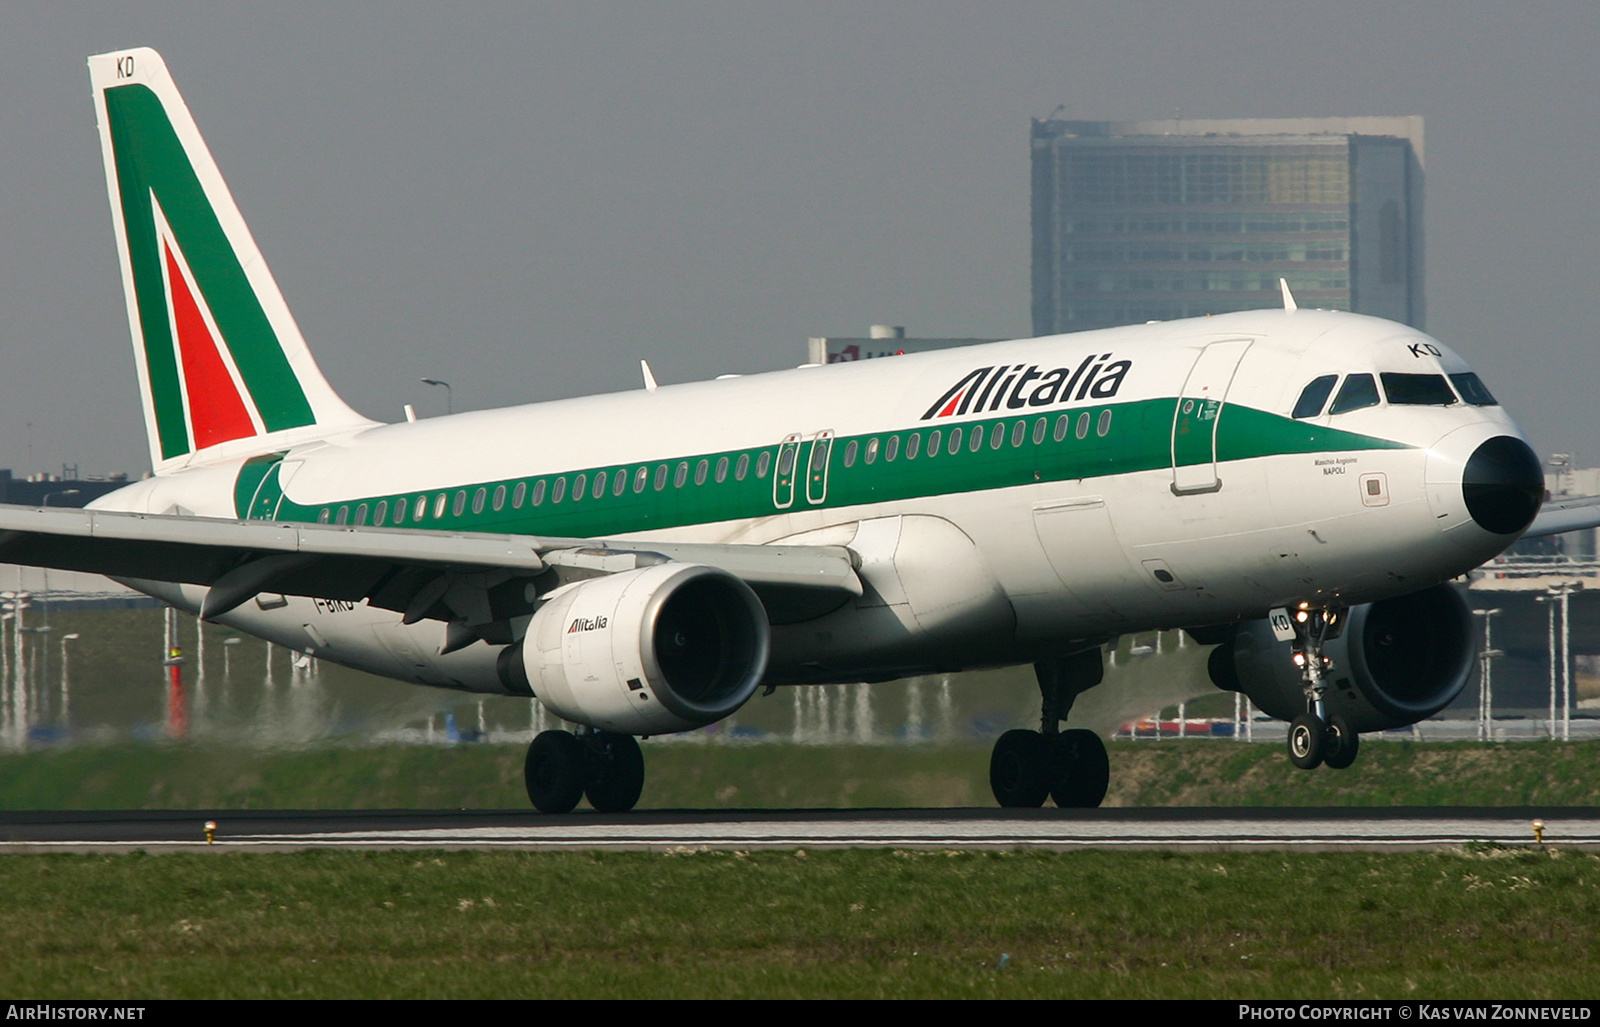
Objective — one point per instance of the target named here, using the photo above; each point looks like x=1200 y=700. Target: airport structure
x=880 y=341
x=1139 y=221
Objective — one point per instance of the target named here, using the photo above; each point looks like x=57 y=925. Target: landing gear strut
x=1315 y=738
x=1068 y=766
x=562 y=768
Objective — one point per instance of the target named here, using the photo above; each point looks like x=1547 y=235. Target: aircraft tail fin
x=223 y=369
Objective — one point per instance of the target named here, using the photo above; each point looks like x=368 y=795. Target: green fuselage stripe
x=1137 y=437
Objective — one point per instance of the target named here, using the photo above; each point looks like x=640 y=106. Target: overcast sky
x=524 y=199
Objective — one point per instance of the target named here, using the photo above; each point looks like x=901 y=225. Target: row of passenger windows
x=997 y=434
x=553 y=490
x=1361 y=390
x=425 y=507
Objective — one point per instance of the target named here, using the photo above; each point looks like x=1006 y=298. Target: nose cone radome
x=1503 y=485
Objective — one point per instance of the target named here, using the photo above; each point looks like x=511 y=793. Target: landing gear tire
x=1082 y=771
x=1344 y=745
x=615 y=772
x=1308 y=741
x=554 y=771
x=1019 y=769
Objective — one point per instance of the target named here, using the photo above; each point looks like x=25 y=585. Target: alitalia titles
x=586 y=624
x=1016 y=386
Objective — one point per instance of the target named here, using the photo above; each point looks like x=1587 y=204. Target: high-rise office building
x=1154 y=220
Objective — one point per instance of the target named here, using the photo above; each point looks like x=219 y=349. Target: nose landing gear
x=1315 y=738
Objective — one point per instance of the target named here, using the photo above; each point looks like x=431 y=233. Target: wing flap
x=240 y=559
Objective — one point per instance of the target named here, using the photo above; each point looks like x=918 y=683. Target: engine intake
x=1398 y=661
x=648 y=651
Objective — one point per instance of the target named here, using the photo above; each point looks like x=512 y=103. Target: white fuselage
x=1161 y=481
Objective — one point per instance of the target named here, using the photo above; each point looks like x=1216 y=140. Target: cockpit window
x=1418 y=390
x=1314 y=396
x=1359 y=390
x=1472 y=390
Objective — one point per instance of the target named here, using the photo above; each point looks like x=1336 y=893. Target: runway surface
x=1177 y=828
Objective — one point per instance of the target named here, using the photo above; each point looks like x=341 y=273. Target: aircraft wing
x=1559 y=515
x=399 y=569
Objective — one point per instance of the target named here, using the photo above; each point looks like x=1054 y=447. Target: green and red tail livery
x=221 y=361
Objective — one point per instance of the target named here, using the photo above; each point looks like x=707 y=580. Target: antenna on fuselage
x=649 y=379
x=1289 y=305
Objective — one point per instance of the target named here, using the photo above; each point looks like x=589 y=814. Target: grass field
x=1481 y=923
x=717 y=776
x=874 y=924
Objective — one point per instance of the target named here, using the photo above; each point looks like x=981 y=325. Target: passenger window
x=850 y=453
x=479 y=498
x=1358 y=391
x=558 y=490
x=977 y=438
x=933 y=444
x=1063 y=425
x=619 y=484
x=1083 y=425
x=955 y=440
x=460 y=505
x=701 y=470
x=538 y=492
x=872 y=451
x=599 y=484
x=1104 y=427
x=1417 y=390
x=421 y=509
x=344 y=515
x=499 y=498
x=1018 y=433
x=1039 y=427
x=641 y=478
x=681 y=475
x=741 y=468
x=518 y=494
x=786 y=460
x=322 y=518
x=438 y=505
x=381 y=513
x=661 y=477
x=912 y=444
x=892 y=448
x=722 y=470
x=763 y=462
x=400 y=510
x=361 y=515
x=1314 y=397
x=997 y=436
x=1472 y=390
x=579 y=483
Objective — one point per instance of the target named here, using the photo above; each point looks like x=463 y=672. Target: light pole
x=449 y=396
x=63 y=492
x=71 y=636
x=1485 y=691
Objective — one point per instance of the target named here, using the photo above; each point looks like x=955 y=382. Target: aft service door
x=1194 y=423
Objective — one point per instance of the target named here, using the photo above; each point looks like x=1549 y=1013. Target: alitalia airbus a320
x=1292 y=486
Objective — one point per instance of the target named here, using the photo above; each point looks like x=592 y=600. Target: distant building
x=1155 y=220
x=880 y=341
x=56 y=490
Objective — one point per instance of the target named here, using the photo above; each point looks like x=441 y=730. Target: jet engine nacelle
x=1397 y=662
x=649 y=651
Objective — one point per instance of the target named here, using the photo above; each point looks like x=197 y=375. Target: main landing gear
x=1315 y=738
x=562 y=768
x=1068 y=766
